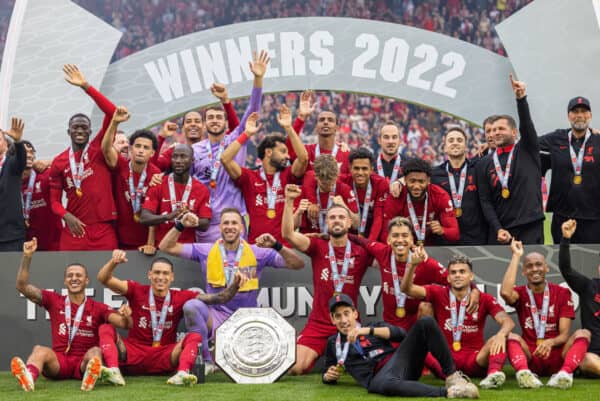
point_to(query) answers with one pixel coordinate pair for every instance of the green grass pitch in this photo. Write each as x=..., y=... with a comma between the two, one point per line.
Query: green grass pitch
x=219, y=387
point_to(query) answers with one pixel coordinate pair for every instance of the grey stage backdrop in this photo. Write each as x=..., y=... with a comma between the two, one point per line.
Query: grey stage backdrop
x=289, y=292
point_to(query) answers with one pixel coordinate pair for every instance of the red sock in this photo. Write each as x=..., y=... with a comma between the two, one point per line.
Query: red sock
x=35, y=372
x=189, y=351
x=496, y=362
x=434, y=366
x=516, y=355
x=108, y=345
x=575, y=354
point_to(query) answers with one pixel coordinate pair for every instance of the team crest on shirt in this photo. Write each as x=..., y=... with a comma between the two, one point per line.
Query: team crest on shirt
x=325, y=274
x=89, y=320
x=38, y=187
x=259, y=200
x=143, y=323
x=62, y=329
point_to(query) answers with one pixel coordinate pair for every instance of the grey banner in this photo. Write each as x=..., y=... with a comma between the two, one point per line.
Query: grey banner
x=288, y=292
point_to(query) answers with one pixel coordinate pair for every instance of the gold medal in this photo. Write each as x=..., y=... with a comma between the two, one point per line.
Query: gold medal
x=458, y=211
x=420, y=242
x=271, y=213
x=339, y=368
x=577, y=180
x=456, y=346
x=213, y=184
x=400, y=312
x=136, y=217
x=156, y=344
x=505, y=193
x=79, y=192
x=539, y=341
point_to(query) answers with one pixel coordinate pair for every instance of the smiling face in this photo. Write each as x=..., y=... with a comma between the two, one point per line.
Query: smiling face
x=400, y=238
x=580, y=118
x=344, y=318
x=361, y=170
x=76, y=279
x=79, y=130
x=389, y=140
x=160, y=276
x=503, y=133
x=215, y=122
x=338, y=221
x=416, y=184
x=30, y=156
x=231, y=227
x=192, y=126
x=326, y=124
x=489, y=137
x=121, y=144
x=460, y=276
x=535, y=268
x=455, y=144
x=278, y=156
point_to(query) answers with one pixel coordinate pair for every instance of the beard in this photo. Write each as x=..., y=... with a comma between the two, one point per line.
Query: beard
x=580, y=126
x=338, y=234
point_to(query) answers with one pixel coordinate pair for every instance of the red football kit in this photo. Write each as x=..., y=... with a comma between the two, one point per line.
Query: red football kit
x=43, y=223
x=377, y=198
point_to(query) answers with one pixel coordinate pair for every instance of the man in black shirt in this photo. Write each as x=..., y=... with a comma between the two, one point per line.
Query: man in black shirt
x=368, y=355
x=509, y=179
x=574, y=157
x=389, y=160
x=458, y=178
x=589, y=298
x=12, y=223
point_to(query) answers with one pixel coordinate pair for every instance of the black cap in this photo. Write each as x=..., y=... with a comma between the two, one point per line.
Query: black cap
x=579, y=101
x=340, y=299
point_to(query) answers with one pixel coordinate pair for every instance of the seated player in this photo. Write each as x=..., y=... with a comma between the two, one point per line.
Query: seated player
x=369, y=356
x=464, y=331
x=545, y=312
x=74, y=321
x=156, y=309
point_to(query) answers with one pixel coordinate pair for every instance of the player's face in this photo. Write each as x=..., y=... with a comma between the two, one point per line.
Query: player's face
x=30, y=156
x=161, y=276
x=503, y=134
x=279, y=156
x=455, y=144
x=192, y=126
x=122, y=145
x=76, y=279
x=389, y=140
x=416, y=184
x=142, y=150
x=400, y=238
x=325, y=185
x=338, y=222
x=361, y=170
x=326, y=124
x=489, y=137
x=181, y=160
x=231, y=227
x=80, y=130
x=215, y=122
x=535, y=268
x=580, y=118
x=344, y=318
x=459, y=276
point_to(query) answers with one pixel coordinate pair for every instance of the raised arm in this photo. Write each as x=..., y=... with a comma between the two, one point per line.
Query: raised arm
x=296, y=239
x=169, y=242
x=577, y=281
x=507, y=290
x=291, y=259
x=284, y=118
x=529, y=136
x=30, y=291
x=407, y=285
x=111, y=156
x=105, y=275
x=227, y=157
x=305, y=109
x=258, y=67
x=18, y=163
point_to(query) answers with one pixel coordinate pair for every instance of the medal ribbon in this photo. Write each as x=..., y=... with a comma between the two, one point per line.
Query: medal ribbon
x=158, y=326
x=338, y=281
x=419, y=230
x=457, y=196
x=333, y=152
x=271, y=191
x=539, y=317
x=72, y=329
x=173, y=196
x=230, y=268
x=322, y=212
x=78, y=168
x=400, y=296
x=216, y=161
x=137, y=194
x=396, y=170
x=365, y=209
x=503, y=175
x=341, y=352
x=28, y=195
x=458, y=321
x=577, y=159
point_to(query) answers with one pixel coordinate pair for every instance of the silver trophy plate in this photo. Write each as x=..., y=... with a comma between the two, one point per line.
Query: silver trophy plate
x=255, y=345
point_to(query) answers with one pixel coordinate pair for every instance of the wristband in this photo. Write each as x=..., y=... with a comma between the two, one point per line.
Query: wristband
x=278, y=246
x=372, y=331
x=179, y=225
x=242, y=138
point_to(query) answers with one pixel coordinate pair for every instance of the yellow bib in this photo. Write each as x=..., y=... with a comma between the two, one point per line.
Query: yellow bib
x=215, y=271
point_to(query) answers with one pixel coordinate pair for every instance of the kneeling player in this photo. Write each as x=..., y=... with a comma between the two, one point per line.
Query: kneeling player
x=74, y=319
x=151, y=346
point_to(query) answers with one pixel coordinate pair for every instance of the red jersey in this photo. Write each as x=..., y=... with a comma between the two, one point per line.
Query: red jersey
x=379, y=190
x=96, y=205
x=43, y=223
x=130, y=233
x=439, y=207
x=94, y=314
x=254, y=190
x=158, y=201
x=323, y=288
x=309, y=191
x=560, y=305
x=429, y=272
x=141, y=331
x=472, y=333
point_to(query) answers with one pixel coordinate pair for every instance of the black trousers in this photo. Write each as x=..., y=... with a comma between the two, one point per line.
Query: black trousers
x=530, y=233
x=12, y=246
x=400, y=375
x=588, y=231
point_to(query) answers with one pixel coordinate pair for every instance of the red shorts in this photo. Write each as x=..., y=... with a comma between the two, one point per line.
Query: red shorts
x=97, y=237
x=315, y=335
x=146, y=359
x=69, y=366
x=548, y=366
x=466, y=361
